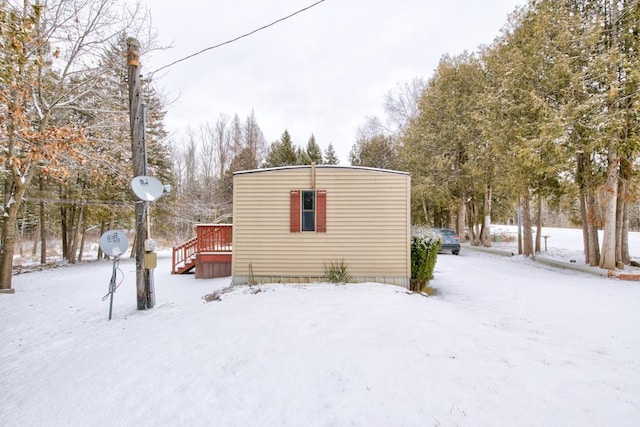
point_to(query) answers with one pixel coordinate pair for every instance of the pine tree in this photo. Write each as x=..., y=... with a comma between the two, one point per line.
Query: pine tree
x=313, y=151
x=330, y=157
x=288, y=151
x=302, y=158
x=533, y=74
x=281, y=153
x=375, y=152
x=443, y=147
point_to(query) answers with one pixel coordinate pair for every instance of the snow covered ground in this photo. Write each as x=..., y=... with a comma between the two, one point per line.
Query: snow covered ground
x=505, y=342
x=561, y=243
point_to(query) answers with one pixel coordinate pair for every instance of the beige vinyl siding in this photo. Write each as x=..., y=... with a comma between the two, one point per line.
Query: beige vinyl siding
x=368, y=224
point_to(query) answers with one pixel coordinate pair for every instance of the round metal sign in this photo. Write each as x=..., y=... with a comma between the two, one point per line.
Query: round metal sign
x=114, y=243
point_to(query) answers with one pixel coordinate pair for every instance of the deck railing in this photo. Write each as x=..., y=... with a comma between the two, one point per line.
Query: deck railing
x=182, y=254
x=209, y=238
x=214, y=237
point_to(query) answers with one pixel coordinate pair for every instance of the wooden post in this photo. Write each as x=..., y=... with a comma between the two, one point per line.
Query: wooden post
x=144, y=285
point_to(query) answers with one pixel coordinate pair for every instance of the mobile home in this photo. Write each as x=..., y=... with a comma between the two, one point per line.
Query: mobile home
x=292, y=223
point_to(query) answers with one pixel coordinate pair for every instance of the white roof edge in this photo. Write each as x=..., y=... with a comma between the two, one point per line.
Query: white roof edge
x=322, y=167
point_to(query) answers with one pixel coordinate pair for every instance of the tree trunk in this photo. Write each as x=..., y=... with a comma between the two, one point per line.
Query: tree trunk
x=472, y=218
x=527, y=237
x=34, y=248
x=486, y=223
x=581, y=181
x=519, y=226
x=538, y=223
x=63, y=231
x=102, y=230
x=585, y=229
x=83, y=233
x=610, y=229
x=592, y=230
x=608, y=256
x=622, y=212
x=461, y=218
x=43, y=230
x=9, y=234
x=619, y=219
x=624, y=241
x=73, y=257
x=15, y=188
x=588, y=209
x=425, y=211
x=20, y=236
x=9, y=231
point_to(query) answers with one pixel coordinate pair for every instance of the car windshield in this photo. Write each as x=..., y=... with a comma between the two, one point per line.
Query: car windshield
x=447, y=233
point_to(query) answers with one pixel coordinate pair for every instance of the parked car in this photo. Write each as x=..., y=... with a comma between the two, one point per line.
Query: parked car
x=450, y=240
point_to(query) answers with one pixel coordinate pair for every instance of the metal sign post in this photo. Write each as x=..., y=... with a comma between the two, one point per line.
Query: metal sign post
x=112, y=285
x=113, y=243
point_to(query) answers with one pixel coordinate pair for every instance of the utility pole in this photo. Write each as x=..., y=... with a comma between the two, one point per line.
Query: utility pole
x=144, y=280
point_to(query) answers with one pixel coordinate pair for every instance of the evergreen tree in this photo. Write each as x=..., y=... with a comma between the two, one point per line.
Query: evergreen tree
x=532, y=75
x=445, y=136
x=313, y=151
x=330, y=157
x=281, y=153
x=302, y=158
x=377, y=151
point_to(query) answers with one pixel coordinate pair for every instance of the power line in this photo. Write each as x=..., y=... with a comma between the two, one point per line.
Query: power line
x=239, y=37
x=77, y=202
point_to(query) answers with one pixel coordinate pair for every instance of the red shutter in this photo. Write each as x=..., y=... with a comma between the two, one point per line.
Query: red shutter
x=321, y=211
x=294, y=212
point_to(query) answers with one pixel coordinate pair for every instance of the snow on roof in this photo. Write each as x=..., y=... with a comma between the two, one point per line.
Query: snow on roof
x=322, y=167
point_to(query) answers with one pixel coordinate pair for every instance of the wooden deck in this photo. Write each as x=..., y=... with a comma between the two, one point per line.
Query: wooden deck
x=209, y=252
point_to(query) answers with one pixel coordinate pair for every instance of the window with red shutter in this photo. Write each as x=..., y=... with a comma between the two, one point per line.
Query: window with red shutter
x=294, y=211
x=321, y=211
x=308, y=211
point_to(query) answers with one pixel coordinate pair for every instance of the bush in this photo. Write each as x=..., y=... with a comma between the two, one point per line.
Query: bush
x=425, y=245
x=337, y=272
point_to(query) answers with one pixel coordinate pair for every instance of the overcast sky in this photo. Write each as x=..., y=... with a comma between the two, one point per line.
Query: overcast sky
x=321, y=72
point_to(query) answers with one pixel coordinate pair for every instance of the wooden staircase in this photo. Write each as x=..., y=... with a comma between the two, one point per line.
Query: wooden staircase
x=210, y=238
x=184, y=257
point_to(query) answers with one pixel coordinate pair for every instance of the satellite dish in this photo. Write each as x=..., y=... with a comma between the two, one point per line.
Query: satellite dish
x=114, y=243
x=147, y=188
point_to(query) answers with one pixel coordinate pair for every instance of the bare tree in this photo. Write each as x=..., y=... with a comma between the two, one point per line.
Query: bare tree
x=222, y=140
x=236, y=136
x=402, y=104
x=255, y=143
x=206, y=159
x=51, y=61
x=191, y=165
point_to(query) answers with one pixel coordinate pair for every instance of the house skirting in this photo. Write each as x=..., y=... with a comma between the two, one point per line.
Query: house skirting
x=243, y=280
x=213, y=265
